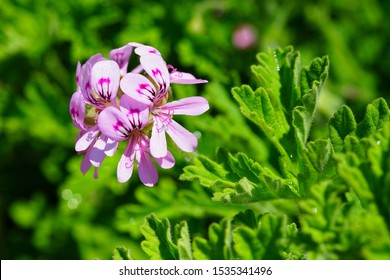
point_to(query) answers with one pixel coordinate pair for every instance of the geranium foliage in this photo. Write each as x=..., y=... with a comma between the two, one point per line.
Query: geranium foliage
x=324, y=198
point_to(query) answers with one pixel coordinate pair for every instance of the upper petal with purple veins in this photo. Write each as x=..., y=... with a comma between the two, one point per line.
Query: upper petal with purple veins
x=122, y=56
x=77, y=109
x=105, y=80
x=157, y=69
x=145, y=50
x=114, y=124
x=138, y=87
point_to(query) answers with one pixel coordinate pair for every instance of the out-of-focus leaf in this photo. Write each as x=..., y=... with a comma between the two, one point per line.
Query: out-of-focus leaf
x=159, y=242
x=121, y=253
x=218, y=246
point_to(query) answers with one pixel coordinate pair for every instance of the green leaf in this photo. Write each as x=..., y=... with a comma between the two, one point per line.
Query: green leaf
x=312, y=79
x=289, y=63
x=317, y=163
x=184, y=241
x=261, y=242
x=376, y=114
x=340, y=125
x=219, y=243
x=239, y=179
x=159, y=244
x=121, y=253
x=168, y=199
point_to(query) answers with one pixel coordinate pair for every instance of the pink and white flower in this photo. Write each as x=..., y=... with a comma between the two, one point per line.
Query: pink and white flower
x=97, y=86
x=111, y=105
x=127, y=123
x=152, y=91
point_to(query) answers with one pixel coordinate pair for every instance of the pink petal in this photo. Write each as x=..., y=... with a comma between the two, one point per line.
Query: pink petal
x=111, y=146
x=147, y=172
x=184, y=139
x=78, y=72
x=97, y=154
x=86, y=139
x=105, y=80
x=178, y=77
x=77, y=109
x=114, y=124
x=139, y=88
x=158, y=142
x=122, y=56
x=85, y=164
x=126, y=163
x=137, y=113
x=157, y=69
x=166, y=162
x=145, y=50
x=135, y=44
x=191, y=106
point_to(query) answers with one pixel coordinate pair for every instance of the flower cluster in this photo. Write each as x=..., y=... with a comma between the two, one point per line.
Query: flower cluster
x=112, y=105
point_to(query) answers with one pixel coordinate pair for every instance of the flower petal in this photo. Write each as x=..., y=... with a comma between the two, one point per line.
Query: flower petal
x=126, y=163
x=114, y=124
x=85, y=164
x=78, y=72
x=184, y=139
x=86, y=139
x=138, y=87
x=97, y=153
x=191, y=106
x=145, y=50
x=177, y=77
x=166, y=162
x=77, y=110
x=158, y=142
x=147, y=172
x=105, y=80
x=111, y=146
x=122, y=56
x=157, y=69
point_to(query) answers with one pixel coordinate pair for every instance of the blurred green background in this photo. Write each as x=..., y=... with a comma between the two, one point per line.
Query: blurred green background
x=48, y=209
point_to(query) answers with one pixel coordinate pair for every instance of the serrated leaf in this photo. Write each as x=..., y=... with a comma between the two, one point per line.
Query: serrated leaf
x=317, y=163
x=121, y=253
x=340, y=125
x=263, y=105
x=262, y=241
x=206, y=171
x=184, y=241
x=312, y=79
x=289, y=64
x=247, y=246
x=376, y=114
x=258, y=107
x=159, y=243
x=239, y=179
x=218, y=246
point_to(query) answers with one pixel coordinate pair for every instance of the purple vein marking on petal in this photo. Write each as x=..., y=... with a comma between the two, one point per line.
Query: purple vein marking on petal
x=162, y=86
x=105, y=89
x=119, y=57
x=121, y=129
x=74, y=113
x=134, y=119
x=150, y=93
